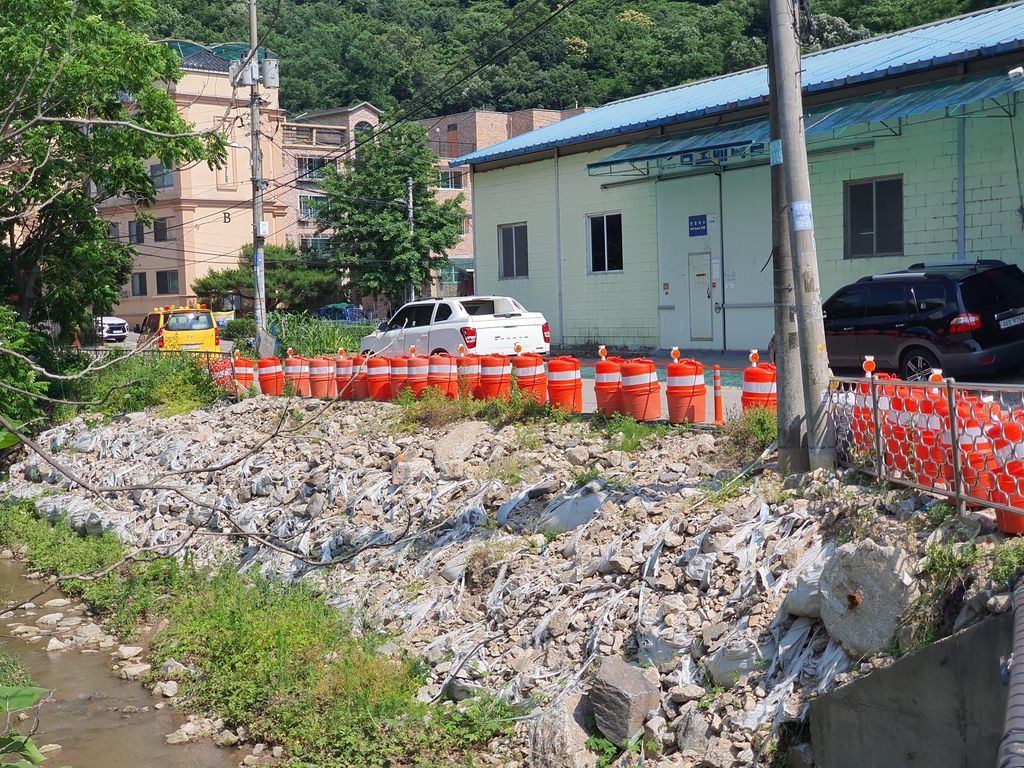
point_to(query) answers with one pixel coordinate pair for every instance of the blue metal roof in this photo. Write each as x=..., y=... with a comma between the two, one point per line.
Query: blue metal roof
x=976, y=35
x=833, y=118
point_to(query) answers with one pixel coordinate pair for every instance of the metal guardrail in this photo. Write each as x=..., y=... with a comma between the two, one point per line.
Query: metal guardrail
x=964, y=441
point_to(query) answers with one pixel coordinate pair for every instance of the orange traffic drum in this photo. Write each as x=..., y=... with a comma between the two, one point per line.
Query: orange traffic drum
x=344, y=372
x=443, y=373
x=296, y=371
x=469, y=375
x=608, y=386
x=322, y=378
x=759, y=388
x=495, y=377
x=641, y=391
x=530, y=377
x=565, y=385
x=271, y=376
x=419, y=371
x=378, y=378
x=686, y=392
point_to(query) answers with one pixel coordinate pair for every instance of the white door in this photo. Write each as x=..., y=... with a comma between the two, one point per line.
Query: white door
x=701, y=301
x=689, y=263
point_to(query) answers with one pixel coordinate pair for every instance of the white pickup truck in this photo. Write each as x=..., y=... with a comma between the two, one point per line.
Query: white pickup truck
x=480, y=324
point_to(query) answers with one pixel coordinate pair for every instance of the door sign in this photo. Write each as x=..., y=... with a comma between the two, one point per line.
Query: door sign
x=699, y=225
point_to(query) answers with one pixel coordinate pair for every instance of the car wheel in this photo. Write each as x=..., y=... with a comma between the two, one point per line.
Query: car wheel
x=917, y=365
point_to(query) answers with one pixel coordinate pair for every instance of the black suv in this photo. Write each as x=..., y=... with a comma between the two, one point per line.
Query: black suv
x=962, y=317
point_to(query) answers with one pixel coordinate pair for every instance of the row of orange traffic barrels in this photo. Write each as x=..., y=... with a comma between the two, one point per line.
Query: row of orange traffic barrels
x=628, y=387
x=916, y=439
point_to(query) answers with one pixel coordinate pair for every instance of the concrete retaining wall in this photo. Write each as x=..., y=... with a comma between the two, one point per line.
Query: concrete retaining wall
x=942, y=707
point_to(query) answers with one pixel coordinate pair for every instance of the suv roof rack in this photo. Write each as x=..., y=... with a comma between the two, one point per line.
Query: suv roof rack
x=979, y=263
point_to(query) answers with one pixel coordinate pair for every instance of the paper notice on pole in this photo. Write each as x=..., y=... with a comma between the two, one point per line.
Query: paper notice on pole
x=803, y=219
x=775, y=149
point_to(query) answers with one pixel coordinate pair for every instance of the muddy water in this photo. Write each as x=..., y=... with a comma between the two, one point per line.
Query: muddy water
x=86, y=714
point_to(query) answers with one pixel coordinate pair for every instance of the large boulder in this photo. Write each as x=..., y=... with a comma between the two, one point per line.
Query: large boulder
x=621, y=698
x=864, y=590
x=559, y=736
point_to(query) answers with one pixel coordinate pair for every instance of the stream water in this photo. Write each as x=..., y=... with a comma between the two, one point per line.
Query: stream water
x=85, y=715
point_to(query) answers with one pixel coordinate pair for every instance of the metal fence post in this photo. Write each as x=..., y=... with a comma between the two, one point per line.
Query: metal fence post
x=879, y=464
x=954, y=437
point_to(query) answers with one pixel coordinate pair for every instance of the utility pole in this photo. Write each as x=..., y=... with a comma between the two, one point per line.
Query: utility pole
x=792, y=435
x=259, y=228
x=408, y=216
x=821, y=443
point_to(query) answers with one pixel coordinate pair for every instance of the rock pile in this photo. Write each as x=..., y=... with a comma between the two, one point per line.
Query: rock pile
x=519, y=562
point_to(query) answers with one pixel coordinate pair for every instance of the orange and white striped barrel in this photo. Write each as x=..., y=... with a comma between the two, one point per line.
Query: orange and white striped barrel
x=378, y=379
x=245, y=374
x=399, y=375
x=759, y=385
x=296, y=371
x=686, y=391
x=271, y=376
x=641, y=391
x=608, y=386
x=495, y=377
x=419, y=372
x=344, y=372
x=531, y=378
x=565, y=385
x=322, y=377
x=360, y=388
x=469, y=375
x=443, y=373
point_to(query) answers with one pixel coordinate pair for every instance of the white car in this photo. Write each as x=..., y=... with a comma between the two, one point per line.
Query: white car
x=479, y=324
x=112, y=329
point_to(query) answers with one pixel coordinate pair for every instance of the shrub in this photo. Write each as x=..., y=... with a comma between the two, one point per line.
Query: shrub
x=17, y=407
x=309, y=336
x=239, y=330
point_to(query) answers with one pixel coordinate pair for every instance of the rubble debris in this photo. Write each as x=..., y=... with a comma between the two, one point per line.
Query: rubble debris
x=471, y=548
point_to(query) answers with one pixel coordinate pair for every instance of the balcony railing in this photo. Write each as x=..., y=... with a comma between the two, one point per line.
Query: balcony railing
x=449, y=149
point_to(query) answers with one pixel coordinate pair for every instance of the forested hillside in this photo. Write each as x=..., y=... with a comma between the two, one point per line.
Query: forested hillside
x=339, y=52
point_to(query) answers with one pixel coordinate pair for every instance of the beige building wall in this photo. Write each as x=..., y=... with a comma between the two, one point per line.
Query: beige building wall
x=207, y=212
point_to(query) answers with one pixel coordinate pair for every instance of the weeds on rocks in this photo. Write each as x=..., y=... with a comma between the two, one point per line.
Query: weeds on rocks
x=634, y=434
x=1009, y=562
x=748, y=436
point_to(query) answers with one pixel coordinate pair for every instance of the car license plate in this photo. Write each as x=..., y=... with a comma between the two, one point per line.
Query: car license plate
x=1011, y=321
x=190, y=346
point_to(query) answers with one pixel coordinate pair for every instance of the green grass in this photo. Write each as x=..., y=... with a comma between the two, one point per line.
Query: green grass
x=948, y=563
x=585, y=477
x=634, y=434
x=748, y=436
x=12, y=672
x=310, y=337
x=275, y=658
x=1009, y=561
x=174, y=382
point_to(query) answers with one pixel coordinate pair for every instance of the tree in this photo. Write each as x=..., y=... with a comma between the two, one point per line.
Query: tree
x=81, y=114
x=366, y=212
x=294, y=280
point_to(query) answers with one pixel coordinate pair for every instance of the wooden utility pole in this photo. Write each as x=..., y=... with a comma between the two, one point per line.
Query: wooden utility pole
x=821, y=443
x=792, y=433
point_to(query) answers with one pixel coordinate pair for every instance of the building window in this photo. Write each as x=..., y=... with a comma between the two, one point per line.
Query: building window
x=163, y=178
x=160, y=230
x=167, y=282
x=318, y=245
x=139, y=284
x=513, y=253
x=136, y=232
x=874, y=217
x=605, y=242
x=450, y=180
x=465, y=226
x=312, y=168
x=308, y=205
x=363, y=134
x=115, y=231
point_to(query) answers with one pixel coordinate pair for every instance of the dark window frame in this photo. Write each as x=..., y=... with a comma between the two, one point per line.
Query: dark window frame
x=139, y=287
x=451, y=180
x=849, y=189
x=605, y=254
x=517, y=260
x=136, y=233
x=164, y=276
x=163, y=178
x=160, y=227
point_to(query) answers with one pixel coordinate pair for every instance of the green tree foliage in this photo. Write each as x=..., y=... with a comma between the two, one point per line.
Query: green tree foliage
x=81, y=116
x=294, y=280
x=17, y=406
x=338, y=52
x=367, y=216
